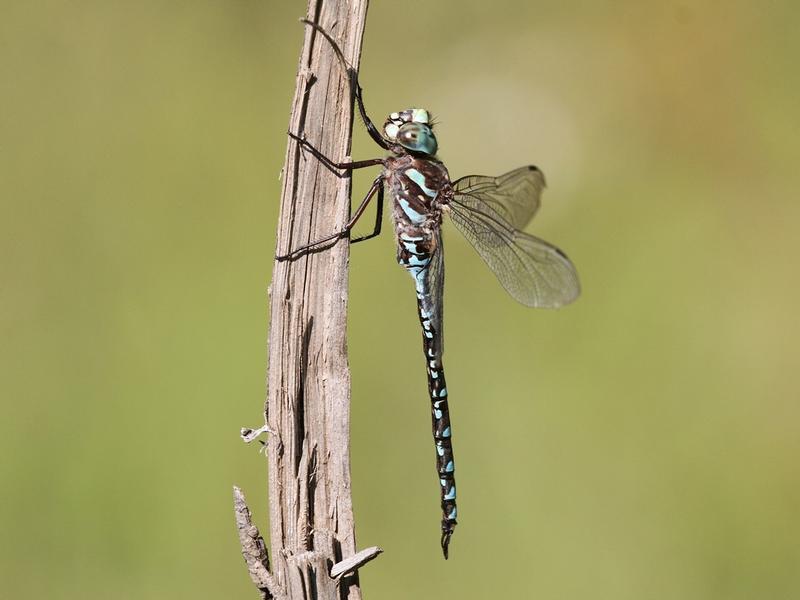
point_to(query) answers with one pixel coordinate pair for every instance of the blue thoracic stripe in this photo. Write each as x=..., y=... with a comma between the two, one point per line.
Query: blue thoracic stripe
x=418, y=178
x=414, y=216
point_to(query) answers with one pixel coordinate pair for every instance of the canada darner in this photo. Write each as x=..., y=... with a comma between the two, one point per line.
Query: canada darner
x=489, y=211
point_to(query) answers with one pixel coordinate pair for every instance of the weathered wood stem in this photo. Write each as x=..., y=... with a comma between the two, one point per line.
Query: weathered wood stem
x=312, y=530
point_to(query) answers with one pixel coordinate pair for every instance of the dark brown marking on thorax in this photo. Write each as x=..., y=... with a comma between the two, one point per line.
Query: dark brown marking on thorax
x=419, y=187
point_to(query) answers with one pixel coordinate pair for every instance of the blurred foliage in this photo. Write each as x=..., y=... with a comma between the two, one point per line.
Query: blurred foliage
x=642, y=443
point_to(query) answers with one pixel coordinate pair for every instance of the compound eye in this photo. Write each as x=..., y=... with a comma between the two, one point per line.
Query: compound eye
x=418, y=138
x=410, y=137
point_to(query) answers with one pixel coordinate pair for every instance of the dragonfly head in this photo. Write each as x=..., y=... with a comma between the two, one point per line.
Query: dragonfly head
x=413, y=130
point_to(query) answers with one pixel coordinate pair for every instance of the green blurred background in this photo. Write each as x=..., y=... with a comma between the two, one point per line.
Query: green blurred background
x=642, y=443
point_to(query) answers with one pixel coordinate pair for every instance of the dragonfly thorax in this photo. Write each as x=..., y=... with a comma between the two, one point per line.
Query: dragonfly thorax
x=412, y=130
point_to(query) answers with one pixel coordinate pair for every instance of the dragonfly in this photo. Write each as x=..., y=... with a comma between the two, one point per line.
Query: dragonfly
x=490, y=212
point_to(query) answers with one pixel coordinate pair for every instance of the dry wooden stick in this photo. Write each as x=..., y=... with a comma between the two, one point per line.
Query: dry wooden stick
x=308, y=401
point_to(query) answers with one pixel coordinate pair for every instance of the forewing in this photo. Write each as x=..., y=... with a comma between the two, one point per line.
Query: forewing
x=515, y=196
x=534, y=272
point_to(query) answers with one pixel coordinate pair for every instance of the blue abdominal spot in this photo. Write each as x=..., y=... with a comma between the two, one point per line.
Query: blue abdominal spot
x=410, y=246
x=416, y=261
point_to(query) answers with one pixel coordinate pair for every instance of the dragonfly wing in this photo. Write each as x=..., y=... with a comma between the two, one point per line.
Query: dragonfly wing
x=433, y=300
x=533, y=271
x=515, y=196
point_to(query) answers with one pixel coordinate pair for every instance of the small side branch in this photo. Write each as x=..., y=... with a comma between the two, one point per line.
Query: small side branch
x=254, y=550
x=248, y=435
x=351, y=564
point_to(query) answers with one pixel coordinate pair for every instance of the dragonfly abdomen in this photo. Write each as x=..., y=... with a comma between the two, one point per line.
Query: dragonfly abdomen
x=442, y=430
x=428, y=281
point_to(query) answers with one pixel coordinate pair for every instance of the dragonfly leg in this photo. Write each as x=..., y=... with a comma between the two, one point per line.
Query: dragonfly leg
x=377, y=187
x=334, y=166
x=356, y=90
x=378, y=218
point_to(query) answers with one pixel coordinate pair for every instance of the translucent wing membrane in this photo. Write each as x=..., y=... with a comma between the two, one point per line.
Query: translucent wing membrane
x=433, y=300
x=488, y=213
x=515, y=196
